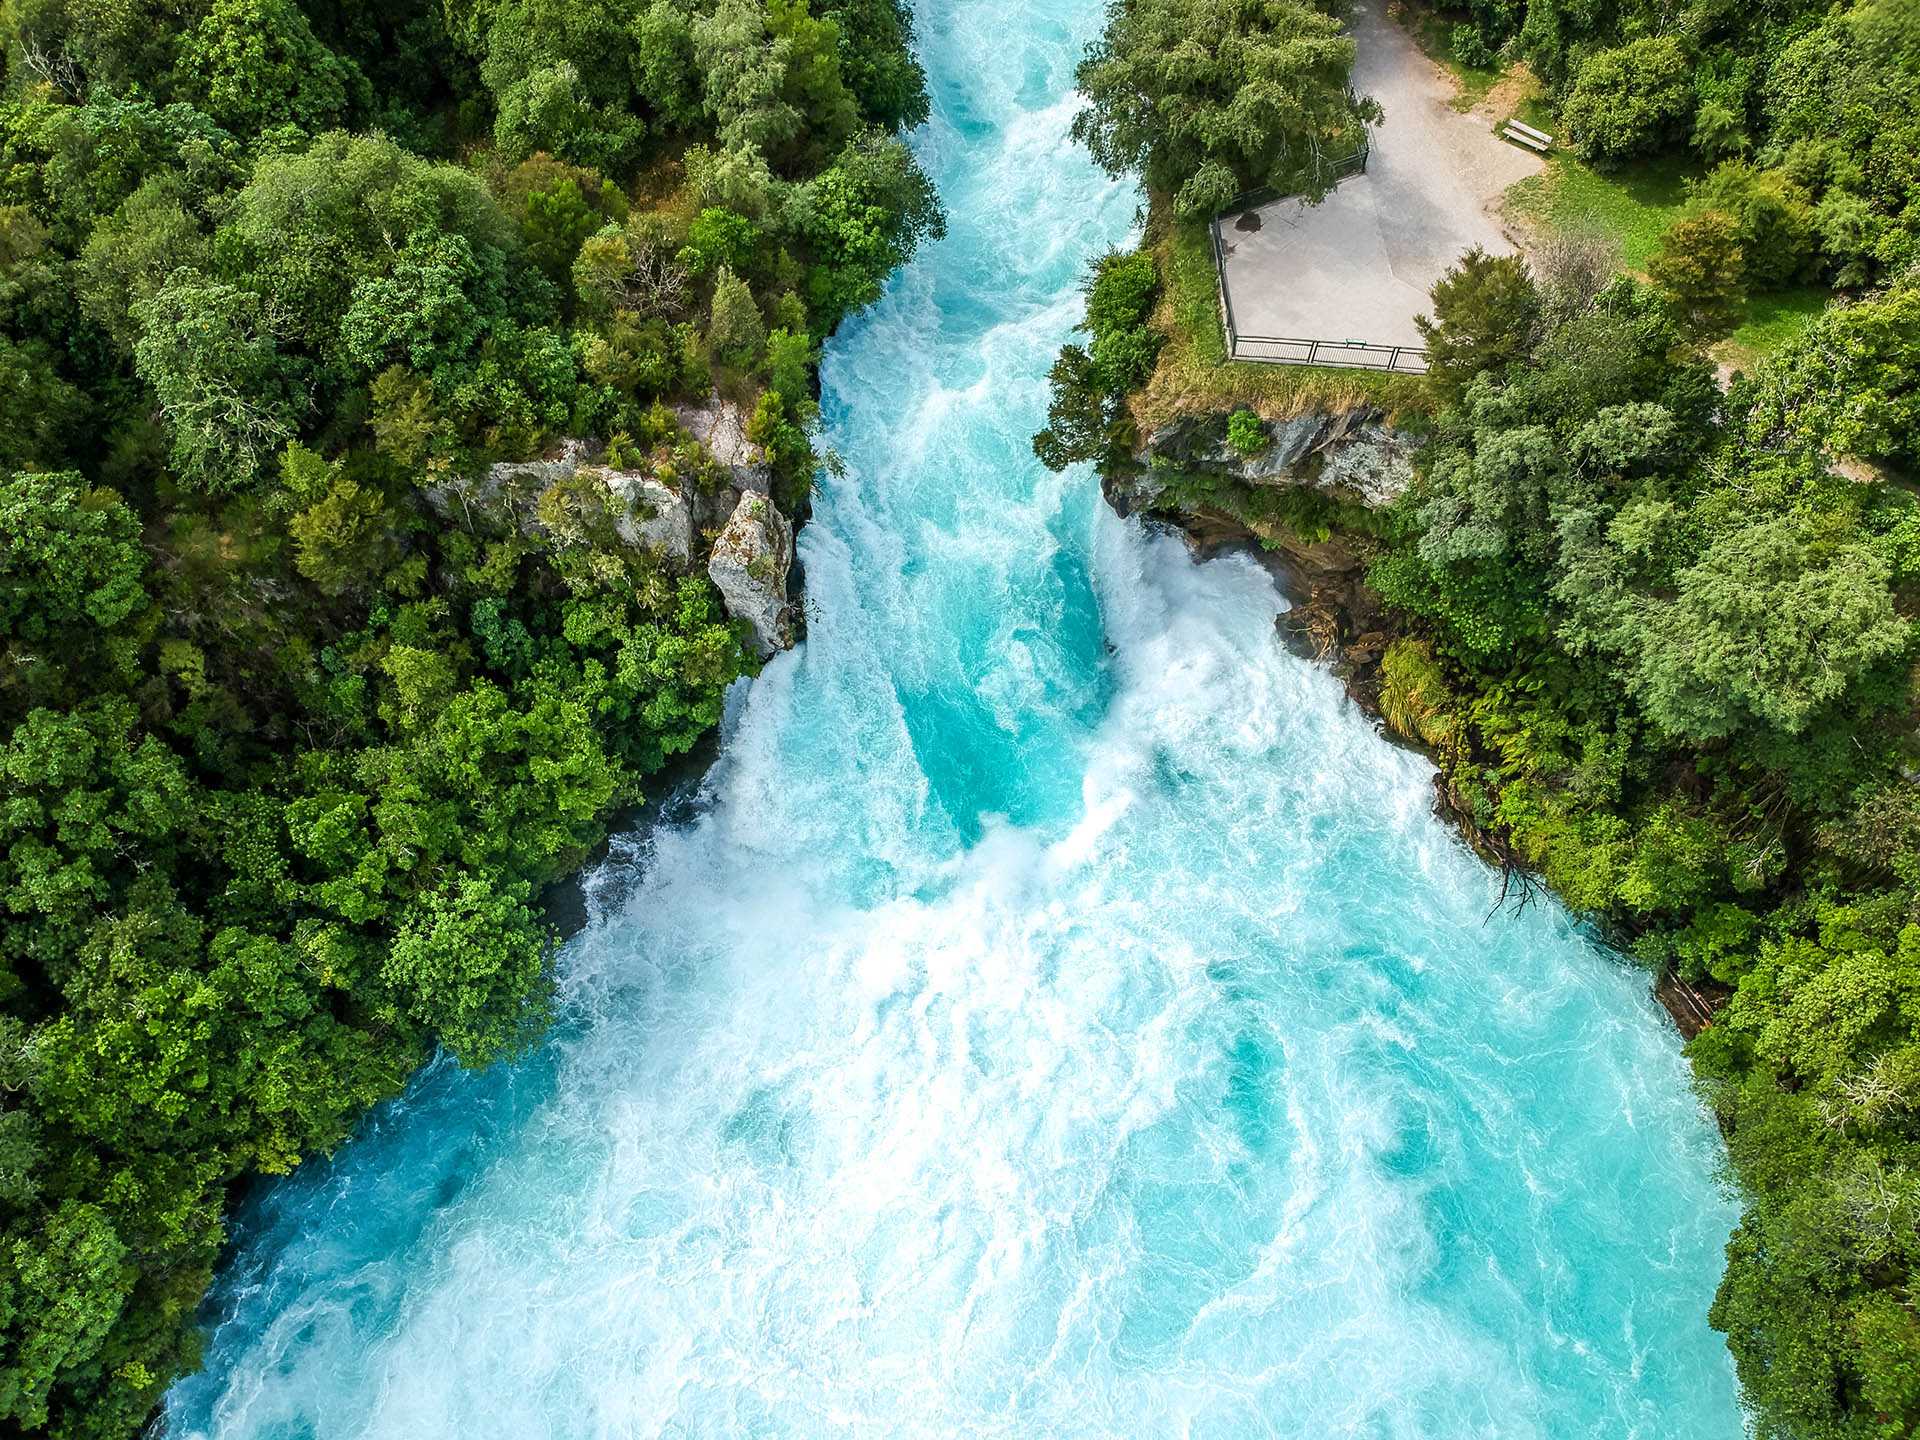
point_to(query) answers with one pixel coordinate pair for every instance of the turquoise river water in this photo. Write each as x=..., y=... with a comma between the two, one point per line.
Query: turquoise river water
x=1060, y=1015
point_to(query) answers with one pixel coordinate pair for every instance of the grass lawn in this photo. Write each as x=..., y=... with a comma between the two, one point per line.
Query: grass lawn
x=1194, y=375
x=1769, y=322
x=1632, y=207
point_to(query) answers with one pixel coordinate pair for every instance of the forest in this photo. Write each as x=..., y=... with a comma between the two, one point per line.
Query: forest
x=1654, y=622
x=290, y=752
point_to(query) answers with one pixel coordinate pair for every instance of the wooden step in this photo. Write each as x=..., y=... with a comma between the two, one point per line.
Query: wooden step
x=1521, y=139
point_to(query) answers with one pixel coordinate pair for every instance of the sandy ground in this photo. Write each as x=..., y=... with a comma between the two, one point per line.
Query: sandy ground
x=1358, y=265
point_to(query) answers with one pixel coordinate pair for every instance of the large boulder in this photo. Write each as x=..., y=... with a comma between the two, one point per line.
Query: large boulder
x=719, y=425
x=648, y=513
x=751, y=560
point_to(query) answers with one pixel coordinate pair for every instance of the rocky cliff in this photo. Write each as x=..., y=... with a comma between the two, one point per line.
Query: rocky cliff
x=703, y=499
x=1304, y=490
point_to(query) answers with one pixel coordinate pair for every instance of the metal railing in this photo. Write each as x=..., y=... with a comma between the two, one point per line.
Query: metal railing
x=1348, y=354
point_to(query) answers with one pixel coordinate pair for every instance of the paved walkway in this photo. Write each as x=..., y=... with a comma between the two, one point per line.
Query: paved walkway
x=1358, y=265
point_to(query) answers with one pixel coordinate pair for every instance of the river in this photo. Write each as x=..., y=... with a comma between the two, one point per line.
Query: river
x=1061, y=1015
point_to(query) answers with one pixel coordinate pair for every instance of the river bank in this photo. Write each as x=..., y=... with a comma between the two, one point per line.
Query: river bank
x=1338, y=468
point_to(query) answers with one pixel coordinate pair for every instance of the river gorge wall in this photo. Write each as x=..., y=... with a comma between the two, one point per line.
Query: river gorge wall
x=1306, y=502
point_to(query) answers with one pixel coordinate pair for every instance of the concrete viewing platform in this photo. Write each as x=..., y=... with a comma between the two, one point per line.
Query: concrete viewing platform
x=1358, y=266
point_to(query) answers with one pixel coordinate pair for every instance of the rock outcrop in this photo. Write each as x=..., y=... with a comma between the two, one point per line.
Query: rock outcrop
x=719, y=426
x=1186, y=473
x=752, y=557
x=1348, y=454
x=650, y=513
x=667, y=509
x=531, y=496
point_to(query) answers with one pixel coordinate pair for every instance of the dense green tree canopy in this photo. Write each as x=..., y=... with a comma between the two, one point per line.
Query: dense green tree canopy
x=1207, y=99
x=292, y=738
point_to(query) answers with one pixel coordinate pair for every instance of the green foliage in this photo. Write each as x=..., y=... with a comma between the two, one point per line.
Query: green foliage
x=1773, y=222
x=222, y=386
x=1415, y=699
x=1768, y=626
x=1852, y=383
x=1630, y=101
x=736, y=331
x=253, y=65
x=1700, y=268
x=473, y=964
x=718, y=238
x=1470, y=48
x=861, y=218
x=299, y=712
x=1206, y=99
x=1247, y=433
x=1086, y=417
x=1484, y=313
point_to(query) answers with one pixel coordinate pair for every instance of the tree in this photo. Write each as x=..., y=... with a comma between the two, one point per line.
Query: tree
x=736, y=331
x=1699, y=268
x=226, y=393
x=1767, y=629
x=1851, y=384
x=345, y=534
x=1630, y=101
x=39, y=411
x=67, y=1286
x=310, y=227
x=876, y=60
x=255, y=64
x=1205, y=99
x=131, y=254
x=1773, y=222
x=1485, y=312
x=71, y=580
x=863, y=217
x=470, y=962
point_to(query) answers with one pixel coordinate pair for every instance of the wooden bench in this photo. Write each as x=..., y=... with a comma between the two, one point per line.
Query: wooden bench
x=1522, y=134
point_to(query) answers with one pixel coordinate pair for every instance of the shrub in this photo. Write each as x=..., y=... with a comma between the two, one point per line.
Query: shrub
x=1415, y=699
x=1630, y=101
x=1247, y=432
x=735, y=332
x=1773, y=221
x=1485, y=311
x=718, y=237
x=1470, y=49
x=1699, y=270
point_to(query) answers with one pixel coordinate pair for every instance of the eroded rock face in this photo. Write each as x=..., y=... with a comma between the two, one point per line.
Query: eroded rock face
x=649, y=513
x=646, y=511
x=751, y=560
x=1353, y=454
x=752, y=555
x=719, y=425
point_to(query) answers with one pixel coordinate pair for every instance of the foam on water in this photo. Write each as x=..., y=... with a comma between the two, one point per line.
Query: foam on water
x=1064, y=1017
